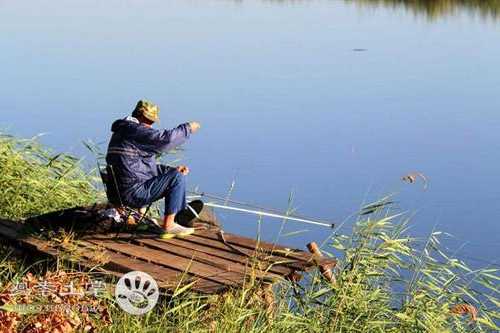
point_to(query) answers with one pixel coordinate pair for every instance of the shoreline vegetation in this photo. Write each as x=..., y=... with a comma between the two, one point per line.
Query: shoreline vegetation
x=385, y=280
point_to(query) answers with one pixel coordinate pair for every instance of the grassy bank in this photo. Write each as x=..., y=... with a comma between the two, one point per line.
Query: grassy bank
x=386, y=281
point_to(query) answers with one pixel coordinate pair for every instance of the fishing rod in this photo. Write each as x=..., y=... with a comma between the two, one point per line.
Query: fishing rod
x=257, y=210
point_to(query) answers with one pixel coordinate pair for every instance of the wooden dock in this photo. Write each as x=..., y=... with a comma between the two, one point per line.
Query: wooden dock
x=211, y=261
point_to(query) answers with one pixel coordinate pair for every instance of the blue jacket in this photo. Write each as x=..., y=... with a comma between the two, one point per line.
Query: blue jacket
x=133, y=148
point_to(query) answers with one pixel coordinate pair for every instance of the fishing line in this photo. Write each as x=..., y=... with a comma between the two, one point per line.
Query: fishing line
x=227, y=200
x=253, y=209
x=262, y=213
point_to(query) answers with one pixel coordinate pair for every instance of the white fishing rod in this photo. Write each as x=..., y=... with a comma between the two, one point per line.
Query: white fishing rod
x=261, y=211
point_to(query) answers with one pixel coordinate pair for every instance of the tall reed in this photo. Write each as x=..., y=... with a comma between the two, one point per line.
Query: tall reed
x=34, y=180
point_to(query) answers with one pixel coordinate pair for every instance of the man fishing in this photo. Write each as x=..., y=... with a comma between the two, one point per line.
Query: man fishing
x=140, y=180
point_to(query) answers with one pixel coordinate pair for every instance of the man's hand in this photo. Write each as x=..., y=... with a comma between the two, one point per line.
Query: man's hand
x=183, y=169
x=195, y=126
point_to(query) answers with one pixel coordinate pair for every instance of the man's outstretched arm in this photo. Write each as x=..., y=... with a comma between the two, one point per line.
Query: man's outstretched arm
x=161, y=141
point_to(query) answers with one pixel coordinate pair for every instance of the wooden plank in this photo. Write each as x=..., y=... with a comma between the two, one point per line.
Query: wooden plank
x=200, y=256
x=274, y=259
x=275, y=249
x=286, y=265
x=179, y=263
x=213, y=248
x=116, y=265
x=275, y=262
x=216, y=264
x=124, y=264
x=34, y=245
x=240, y=242
x=10, y=231
x=166, y=278
x=225, y=253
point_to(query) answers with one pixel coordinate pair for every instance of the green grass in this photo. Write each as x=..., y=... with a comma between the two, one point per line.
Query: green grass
x=386, y=281
x=35, y=181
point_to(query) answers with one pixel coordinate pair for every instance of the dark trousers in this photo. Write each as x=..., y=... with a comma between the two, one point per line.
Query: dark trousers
x=170, y=185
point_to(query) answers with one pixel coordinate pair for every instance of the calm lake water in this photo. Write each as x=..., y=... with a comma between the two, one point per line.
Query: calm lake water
x=285, y=101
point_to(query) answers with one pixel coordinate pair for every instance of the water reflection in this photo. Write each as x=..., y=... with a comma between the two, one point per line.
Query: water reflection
x=431, y=8
x=437, y=8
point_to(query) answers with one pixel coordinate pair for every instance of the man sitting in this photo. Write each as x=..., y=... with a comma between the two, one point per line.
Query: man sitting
x=132, y=150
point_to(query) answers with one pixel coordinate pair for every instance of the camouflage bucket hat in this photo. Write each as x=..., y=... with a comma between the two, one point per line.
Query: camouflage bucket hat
x=148, y=110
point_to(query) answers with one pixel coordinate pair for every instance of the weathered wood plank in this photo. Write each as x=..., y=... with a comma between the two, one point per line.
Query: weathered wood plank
x=227, y=254
x=165, y=277
x=116, y=266
x=279, y=264
x=175, y=262
x=213, y=263
x=274, y=261
x=200, y=256
x=215, y=249
x=276, y=250
x=38, y=246
x=11, y=231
